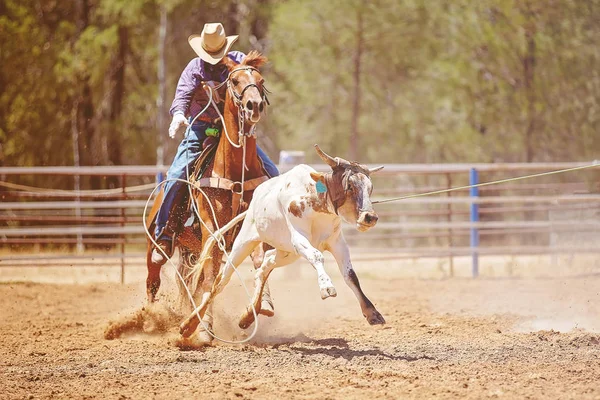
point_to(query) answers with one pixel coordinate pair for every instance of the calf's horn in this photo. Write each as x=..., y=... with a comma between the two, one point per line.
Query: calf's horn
x=372, y=170
x=332, y=162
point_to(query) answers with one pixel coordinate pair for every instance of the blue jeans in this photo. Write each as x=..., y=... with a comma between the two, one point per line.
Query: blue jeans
x=187, y=153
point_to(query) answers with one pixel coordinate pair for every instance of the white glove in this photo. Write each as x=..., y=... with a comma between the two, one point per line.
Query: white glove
x=179, y=123
x=215, y=92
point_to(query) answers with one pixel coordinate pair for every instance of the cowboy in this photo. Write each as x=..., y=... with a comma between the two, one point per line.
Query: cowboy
x=211, y=46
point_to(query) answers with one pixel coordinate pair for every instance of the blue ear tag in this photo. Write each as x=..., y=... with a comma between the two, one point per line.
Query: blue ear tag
x=321, y=188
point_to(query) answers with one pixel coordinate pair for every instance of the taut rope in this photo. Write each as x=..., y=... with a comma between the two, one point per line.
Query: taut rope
x=410, y=196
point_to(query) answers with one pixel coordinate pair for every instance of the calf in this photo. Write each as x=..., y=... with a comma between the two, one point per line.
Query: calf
x=300, y=214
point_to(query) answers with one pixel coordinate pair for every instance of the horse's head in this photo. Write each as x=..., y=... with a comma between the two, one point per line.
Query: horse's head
x=350, y=190
x=245, y=86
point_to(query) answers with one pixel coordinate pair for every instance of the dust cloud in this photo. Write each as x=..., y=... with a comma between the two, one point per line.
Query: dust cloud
x=559, y=304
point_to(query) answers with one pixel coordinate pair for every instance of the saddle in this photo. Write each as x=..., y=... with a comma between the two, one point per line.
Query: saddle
x=197, y=176
x=182, y=214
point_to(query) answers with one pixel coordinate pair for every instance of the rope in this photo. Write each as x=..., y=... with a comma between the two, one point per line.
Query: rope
x=410, y=196
x=220, y=240
x=237, y=146
x=33, y=189
x=221, y=246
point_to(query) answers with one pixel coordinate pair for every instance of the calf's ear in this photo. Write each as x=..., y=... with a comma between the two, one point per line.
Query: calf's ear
x=317, y=176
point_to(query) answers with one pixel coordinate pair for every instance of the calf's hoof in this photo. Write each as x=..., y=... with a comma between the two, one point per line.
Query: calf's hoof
x=247, y=319
x=266, y=308
x=328, y=292
x=195, y=342
x=375, y=318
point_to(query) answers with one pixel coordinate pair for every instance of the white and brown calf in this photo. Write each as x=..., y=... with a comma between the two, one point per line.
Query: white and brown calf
x=300, y=214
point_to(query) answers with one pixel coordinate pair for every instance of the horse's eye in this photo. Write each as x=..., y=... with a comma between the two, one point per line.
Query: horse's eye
x=235, y=81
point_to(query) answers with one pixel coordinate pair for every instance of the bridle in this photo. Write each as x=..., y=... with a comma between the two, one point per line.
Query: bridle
x=237, y=97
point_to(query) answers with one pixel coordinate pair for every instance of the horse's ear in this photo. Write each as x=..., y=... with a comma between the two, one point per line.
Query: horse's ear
x=228, y=62
x=255, y=59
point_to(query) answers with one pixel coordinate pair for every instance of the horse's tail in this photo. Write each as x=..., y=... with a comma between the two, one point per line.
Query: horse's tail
x=205, y=257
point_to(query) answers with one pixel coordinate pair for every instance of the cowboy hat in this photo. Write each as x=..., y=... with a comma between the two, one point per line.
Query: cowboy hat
x=212, y=44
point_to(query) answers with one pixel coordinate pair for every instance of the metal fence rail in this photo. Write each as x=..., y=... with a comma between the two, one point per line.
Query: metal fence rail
x=507, y=219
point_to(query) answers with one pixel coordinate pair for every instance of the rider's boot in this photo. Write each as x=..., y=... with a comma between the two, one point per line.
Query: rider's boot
x=163, y=251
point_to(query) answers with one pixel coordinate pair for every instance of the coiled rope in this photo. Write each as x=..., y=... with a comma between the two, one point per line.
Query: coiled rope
x=219, y=240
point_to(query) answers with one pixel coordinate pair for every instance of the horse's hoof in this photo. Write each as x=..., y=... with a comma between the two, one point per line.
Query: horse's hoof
x=328, y=292
x=266, y=308
x=188, y=327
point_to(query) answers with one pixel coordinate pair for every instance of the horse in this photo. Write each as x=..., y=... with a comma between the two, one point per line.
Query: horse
x=228, y=181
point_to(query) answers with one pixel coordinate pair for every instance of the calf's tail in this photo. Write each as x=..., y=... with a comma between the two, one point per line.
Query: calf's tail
x=209, y=244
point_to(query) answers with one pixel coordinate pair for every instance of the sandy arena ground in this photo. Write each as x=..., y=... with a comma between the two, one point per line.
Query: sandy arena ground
x=444, y=338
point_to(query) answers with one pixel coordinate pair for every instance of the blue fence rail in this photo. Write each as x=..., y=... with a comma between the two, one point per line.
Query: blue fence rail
x=474, y=193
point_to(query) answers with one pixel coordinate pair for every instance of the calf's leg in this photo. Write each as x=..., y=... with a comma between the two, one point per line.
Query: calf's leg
x=315, y=258
x=266, y=306
x=340, y=251
x=273, y=258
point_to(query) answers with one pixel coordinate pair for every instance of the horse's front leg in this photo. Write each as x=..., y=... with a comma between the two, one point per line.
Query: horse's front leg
x=241, y=250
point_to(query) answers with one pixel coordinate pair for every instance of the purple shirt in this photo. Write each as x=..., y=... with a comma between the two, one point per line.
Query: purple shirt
x=190, y=98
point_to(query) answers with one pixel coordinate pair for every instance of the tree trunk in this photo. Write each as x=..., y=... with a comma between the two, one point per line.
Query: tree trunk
x=528, y=78
x=83, y=104
x=115, y=155
x=113, y=132
x=259, y=26
x=232, y=22
x=162, y=88
x=354, y=138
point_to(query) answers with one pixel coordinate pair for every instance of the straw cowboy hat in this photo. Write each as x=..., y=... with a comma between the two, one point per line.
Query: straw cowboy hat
x=212, y=44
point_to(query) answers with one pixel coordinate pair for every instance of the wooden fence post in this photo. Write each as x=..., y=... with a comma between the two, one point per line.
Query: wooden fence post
x=449, y=219
x=123, y=237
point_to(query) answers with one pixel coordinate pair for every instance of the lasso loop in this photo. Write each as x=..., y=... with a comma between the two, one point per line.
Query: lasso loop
x=219, y=240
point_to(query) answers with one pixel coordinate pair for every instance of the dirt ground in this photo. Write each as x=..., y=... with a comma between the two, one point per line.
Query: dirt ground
x=459, y=338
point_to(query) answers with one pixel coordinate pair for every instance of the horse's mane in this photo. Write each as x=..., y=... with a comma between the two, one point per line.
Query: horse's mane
x=255, y=59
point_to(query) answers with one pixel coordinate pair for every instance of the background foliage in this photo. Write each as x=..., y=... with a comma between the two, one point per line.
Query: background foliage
x=379, y=80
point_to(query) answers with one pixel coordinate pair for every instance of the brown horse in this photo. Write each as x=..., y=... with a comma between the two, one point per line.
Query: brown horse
x=228, y=182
